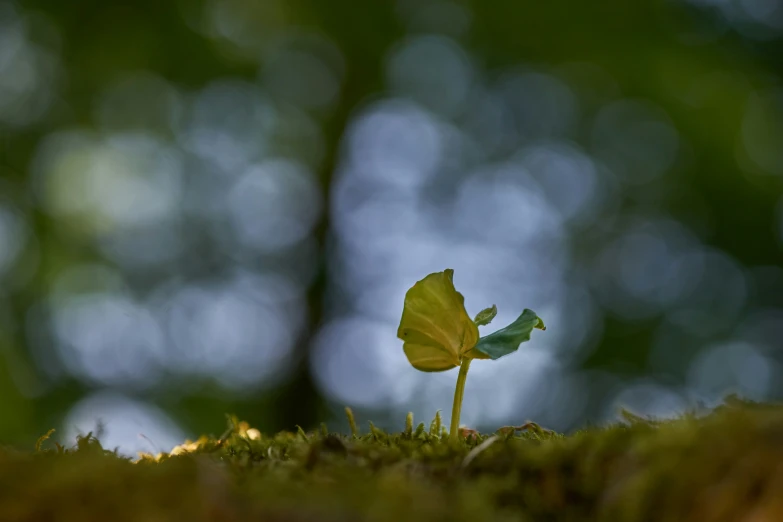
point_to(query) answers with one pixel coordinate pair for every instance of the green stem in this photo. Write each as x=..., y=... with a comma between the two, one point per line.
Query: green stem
x=458, y=393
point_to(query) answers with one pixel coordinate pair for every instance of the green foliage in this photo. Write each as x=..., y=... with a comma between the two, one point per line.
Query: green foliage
x=722, y=466
x=508, y=339
x=438, y=335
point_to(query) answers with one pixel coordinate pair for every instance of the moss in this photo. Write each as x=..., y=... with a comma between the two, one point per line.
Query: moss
x=727, y=465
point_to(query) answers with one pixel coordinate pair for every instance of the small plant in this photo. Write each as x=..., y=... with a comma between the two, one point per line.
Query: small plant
x=438, y=334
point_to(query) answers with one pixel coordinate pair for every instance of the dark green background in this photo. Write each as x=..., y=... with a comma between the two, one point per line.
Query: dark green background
x=643, y=45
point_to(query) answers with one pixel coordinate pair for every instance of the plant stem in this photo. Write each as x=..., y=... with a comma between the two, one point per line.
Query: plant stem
x=458, y=393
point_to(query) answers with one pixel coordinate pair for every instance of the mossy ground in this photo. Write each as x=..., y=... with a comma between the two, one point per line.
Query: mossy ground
x=727, y=465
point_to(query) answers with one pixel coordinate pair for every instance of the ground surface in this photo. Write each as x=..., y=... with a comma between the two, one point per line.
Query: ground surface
x=727, y=465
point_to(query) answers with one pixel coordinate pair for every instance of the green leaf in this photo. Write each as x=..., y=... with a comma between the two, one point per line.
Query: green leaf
x=435, y=328
x=508, y=339
x=485, y=316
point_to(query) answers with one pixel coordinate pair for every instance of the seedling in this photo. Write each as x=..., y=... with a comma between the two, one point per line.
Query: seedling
x=438, y=334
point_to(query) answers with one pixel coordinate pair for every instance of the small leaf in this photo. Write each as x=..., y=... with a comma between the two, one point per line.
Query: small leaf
x=508, y=339
x=485, y=316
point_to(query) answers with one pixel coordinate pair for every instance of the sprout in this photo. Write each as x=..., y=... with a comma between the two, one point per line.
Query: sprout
x=438, y=334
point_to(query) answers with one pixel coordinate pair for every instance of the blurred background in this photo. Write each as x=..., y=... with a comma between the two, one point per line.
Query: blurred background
x=217, y=206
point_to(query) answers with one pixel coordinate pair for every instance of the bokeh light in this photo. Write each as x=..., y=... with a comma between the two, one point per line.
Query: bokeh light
x=123, y=423
x=30, y=73
x=737, y=367
x=225, y=215
x=274, y=205
x=13, y=237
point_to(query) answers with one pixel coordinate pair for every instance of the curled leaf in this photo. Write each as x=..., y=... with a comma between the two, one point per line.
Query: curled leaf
x=508, y=339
